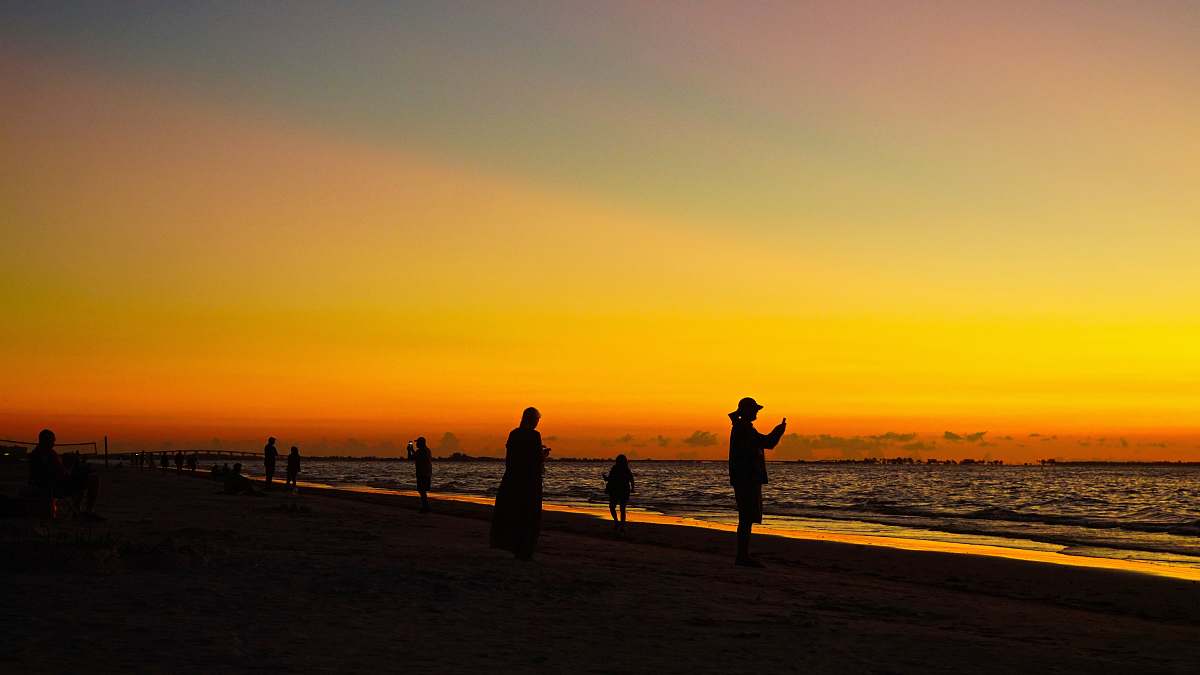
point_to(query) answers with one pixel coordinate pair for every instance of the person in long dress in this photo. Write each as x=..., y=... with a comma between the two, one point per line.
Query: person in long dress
x=517, y=517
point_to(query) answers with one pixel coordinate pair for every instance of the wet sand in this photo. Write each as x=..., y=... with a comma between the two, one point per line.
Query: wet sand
x=181, y=578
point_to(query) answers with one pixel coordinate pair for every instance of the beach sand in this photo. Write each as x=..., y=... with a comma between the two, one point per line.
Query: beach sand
x=183, y=579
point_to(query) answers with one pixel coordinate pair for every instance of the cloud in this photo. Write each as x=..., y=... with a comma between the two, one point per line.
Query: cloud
x=701, y=439
x=797, y=446
x=662, y=441
x=449, y=444
x=968, y=438
x=793, y=446
x=893, y=437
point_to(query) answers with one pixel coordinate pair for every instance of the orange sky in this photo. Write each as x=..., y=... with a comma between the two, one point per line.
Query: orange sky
x=333, y=237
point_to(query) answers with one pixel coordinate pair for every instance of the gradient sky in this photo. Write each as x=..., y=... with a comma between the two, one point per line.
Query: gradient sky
x=366, y=221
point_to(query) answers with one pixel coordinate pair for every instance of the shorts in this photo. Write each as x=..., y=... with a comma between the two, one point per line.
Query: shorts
x=749, y=502
x=423, y=483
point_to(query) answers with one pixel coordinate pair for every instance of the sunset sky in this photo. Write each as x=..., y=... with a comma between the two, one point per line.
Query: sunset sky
x=366, y=221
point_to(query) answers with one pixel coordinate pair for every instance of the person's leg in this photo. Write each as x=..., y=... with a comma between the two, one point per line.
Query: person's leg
x=623, y=512
x=612, y=508
x=424, y=501
x=743, y=540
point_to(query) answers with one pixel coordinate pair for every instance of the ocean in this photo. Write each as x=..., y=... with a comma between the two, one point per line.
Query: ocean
x=1133, y=512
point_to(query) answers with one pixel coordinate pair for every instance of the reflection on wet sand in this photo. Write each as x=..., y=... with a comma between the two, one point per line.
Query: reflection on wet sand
x=1055, y=557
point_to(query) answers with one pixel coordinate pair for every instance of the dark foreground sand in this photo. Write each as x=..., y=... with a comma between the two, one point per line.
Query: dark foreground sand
x=181, y=578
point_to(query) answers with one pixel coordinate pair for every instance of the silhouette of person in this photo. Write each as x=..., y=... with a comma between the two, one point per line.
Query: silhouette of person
x=51, y=479
x=293, y=466
x=236, y=483
x=270, y=454
x=517, y=516
x=748, y=471
x=193, y=461
x=163, y=462
x=424, y=465
x=178, y=461
x=618, y=485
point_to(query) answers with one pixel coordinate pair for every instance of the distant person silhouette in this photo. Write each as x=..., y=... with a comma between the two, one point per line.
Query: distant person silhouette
x=163, y=462
x=270, y=454
x=748, y=471
x=293, y=466
x=517, y=516
x=51, y=479
x=178, y=461
x=193, y=461
x=618, y=485
x=424, y=465
x=236, y=483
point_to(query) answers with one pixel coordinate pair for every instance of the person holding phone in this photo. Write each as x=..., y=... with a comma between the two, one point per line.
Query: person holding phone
x=748, y=471
x=423, y=459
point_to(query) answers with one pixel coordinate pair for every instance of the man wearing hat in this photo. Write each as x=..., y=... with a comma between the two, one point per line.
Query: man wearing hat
x=748, y=470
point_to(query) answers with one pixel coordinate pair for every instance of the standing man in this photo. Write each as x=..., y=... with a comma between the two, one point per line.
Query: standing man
x=748, y=471
x=424, y=461
x=270, y=454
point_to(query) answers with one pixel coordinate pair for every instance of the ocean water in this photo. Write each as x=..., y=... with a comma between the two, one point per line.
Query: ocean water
x=1132, y=512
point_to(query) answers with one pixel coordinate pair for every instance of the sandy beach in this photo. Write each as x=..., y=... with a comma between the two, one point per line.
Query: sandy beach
x=181, y=578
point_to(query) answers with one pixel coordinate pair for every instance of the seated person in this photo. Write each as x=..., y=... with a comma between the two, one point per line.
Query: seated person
x=51, y=479
x=236, y=483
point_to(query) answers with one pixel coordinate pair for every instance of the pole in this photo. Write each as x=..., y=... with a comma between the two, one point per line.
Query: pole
x=106, y=451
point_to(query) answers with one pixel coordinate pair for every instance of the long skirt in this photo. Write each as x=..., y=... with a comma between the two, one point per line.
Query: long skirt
x=517, y=518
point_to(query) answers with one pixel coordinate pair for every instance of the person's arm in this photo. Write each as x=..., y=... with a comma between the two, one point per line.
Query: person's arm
x=769, y=441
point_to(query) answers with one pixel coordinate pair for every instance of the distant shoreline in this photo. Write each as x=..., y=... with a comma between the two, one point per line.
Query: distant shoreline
x=15, y=453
